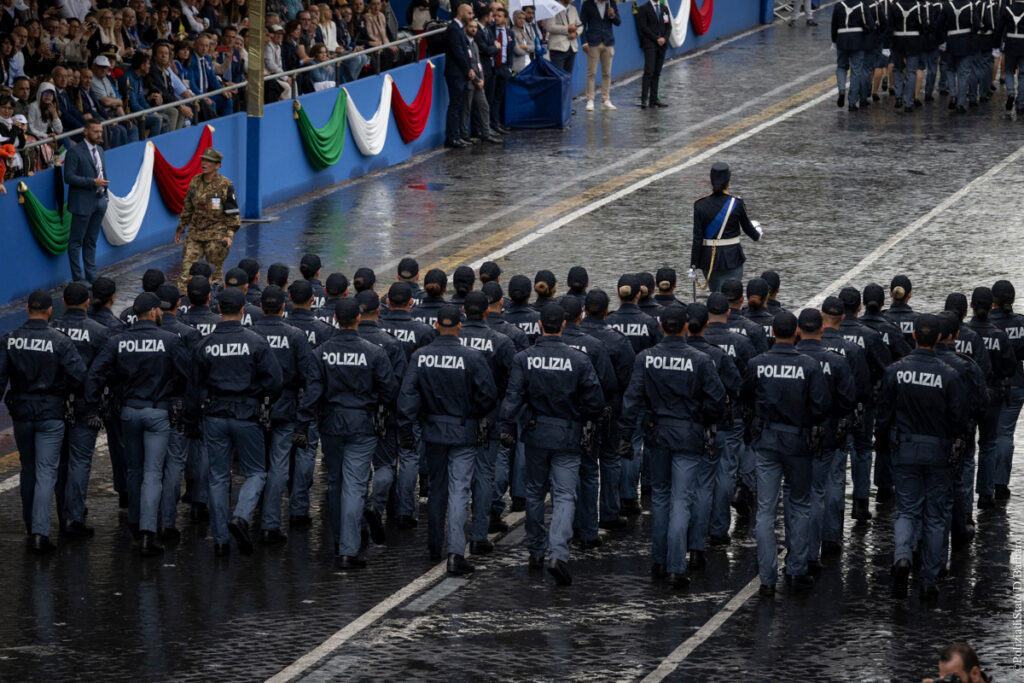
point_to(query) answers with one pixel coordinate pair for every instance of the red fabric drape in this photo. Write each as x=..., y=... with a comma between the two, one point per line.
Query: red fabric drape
x=172, y=181
x=412, y=118
x=700, y=17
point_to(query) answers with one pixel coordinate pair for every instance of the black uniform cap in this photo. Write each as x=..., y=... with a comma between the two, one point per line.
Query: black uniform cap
x=773, y=280
x=169, y=295
x=926, y=329
x=251, y=267
x=665, y=278
x=436, y=276
x=900, y=281
x=547, y=277
x=832, y=305
x=673, y=318
x=718, y=304
x=408, y=268
x=757, y=287
x=103, y=288
x=272, y=296
x=368, y=301
x=957, y=303
x=310, y=263
x=573, y=308
x=720, y=174
x=475, y=304
x=784, y=324
x=231, y=300
x=145, y=302
x=336, y=285
x=198, y=287
x=519, y=286
x=76, y=294
x=236, y=277
x=1003, y=290
x=810, y=320
x=552, y=315
x=152, y=279
x=489, y=271
x=732, y=289
x=492, y=290
x=646, y=282
x=346, y=311
x=874, y=294
x=696, y=314
x=463, y=275
x=201, y=268
x=629, y=286
x=981, y=297
x=596, y=302
x=449, y=315
x=578, y=277
x=850, y=296
x=39, y=300
x=949, y=324
x=277, y=274
x=364, y=279
x=399, y=293
x=300, y=291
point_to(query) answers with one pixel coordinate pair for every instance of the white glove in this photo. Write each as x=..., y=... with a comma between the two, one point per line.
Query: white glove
x=995, y=52
x=757, y=226
x=942, y=48
x=691, y=274
x=886, y=53
x=833, y=47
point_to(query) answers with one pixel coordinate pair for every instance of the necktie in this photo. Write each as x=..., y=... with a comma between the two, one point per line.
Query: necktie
x=100, y=191
x=501, y=50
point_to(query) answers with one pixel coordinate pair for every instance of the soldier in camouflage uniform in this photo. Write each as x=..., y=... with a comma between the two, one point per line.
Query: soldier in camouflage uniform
x=211, y=211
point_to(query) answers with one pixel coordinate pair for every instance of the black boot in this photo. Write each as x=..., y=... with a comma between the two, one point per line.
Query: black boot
x=842, y=100
x=497, y=525
x=697, y=560
x=148, y=547
x=483, y=547
x=458, y=565
x=860, y=509
x=239, y=528
x=406, y=522
x=77, y=529
x=272, y=536
x=560, y=570
x=347, y=562
x=901, y=579
x=40, y=545
x=377, y=533
x=678, y=580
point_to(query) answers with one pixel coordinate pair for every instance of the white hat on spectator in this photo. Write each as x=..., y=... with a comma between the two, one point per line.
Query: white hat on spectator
x=276, y=27
x=20, y=118
x=102, y=61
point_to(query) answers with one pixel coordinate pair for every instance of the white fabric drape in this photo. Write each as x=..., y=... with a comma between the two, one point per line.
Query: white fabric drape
x=680, y=23
x=370, y=135
x=124, y=215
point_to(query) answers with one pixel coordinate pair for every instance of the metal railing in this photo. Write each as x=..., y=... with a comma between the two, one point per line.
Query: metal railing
x=238, y=86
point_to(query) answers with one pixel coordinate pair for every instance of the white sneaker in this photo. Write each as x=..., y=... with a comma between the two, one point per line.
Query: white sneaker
x=590, y=105
x=608, y=106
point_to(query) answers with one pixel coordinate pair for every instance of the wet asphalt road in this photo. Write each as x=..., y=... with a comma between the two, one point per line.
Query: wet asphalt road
x=830, y=186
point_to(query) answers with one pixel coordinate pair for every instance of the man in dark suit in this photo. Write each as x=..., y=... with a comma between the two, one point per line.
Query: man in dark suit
x=85, y=171
x=457, y=74
x=502, y=72
x=655, y=23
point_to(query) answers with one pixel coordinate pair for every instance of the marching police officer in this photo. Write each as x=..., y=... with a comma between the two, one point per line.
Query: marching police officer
x=463, y=280
x=435, y=283
x=210, y=215
x=757, y=310
x=968, y=341
x=676, y=390
x=718, y=219
x=100, y=305
x=88, y=336
x=199, y=314
x=253, y=290
x=577, y=281
x=665, y=280
x=738, y=323
x=957, y=31
x=906, y=23
x=920, y=412
x=300, y=378
x=356, y=377
x=828, y=468
x=43, y=367
x=238, y=278
x=496, y=321
x=788, y=393
x=646, y=302
x=900, y=313
x=309, y=268
x=873, y=301
x=233, y=371
x=150, y=365
x=1011, y=30
x=520, y=312
x=408, y=272
x=554, y=388
x=546, y=285
x=449, y=390
x=151, y=279
x=336, y=287
x=1003, y=317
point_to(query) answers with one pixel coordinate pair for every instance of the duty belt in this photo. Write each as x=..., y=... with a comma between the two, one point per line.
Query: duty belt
x=853, y=29
x=138, y=403
x=905, y=34
x=722, y=243
x=960, y=32
x=923, y=439
x=556, y=422
x=451, y=420
x=783, y=427
x=678, y=422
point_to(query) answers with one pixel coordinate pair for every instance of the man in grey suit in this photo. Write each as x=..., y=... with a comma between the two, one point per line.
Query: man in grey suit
x=85, y=172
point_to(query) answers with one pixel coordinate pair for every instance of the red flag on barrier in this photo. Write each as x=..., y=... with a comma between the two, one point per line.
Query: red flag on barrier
x=173, y=182
x=412, y=118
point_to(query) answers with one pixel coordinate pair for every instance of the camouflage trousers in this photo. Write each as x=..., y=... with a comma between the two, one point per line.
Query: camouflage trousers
x=215, y=251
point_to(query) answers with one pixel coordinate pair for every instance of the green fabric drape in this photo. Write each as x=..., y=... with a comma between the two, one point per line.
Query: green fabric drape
x=51, y=229
x=323, y=145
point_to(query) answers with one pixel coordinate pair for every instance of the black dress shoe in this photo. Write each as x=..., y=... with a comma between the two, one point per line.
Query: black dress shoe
x=630, y=507
x=767, y=590
x=300, y=521
x=77, y=529
x=40, y=544
x=500, y=131
x=1002, y=492
x=406, y=522
x=961, y=109
x=272, y=536
x=678, y=580
x=479, y=548
x=716, y=540
x=593, y=543
x=239, y=529
x=986, y=502
x=853, y=107
x=929, y=593
x=901, y=578
x=560, y=570
x=918, y=104
x=898, y=104
x=617, y=524
x=658, y=571
x=831, y=548
x=123, y=501
x=952, y=104
x=148, y=547
x=221, y=549
x=347, y=562
x=841, y=100
x=455, y=144
x=659, y=103
x=435, y=554
x=643, y=105
x=373, y=520
x=518, y=504
x=803, y=582
x=698, y=560
x=876, y=98
x=497, y=525
x=860, y=509
x=198, y=512
x=536, y=563
x=171, y=535
x=493, y=139
x=458, y=565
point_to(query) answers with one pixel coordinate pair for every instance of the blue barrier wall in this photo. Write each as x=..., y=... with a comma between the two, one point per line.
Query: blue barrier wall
x=283, y=172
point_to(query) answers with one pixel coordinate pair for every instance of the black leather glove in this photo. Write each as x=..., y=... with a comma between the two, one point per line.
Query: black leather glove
x=94, y=422
x=606, y=415
x=483, y=431
x=193, y=431
x=407, y=441
x=508, y=439
x=300, y=438
x=625, y=449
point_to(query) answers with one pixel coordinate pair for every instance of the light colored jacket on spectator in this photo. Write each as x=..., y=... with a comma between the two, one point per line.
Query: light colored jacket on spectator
x=521, y=58
x=558, y=30
x=36, y=125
